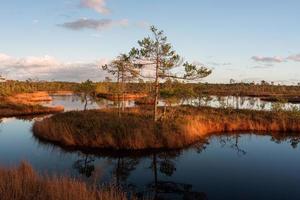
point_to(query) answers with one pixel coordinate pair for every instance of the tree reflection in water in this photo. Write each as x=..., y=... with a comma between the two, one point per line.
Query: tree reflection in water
x=85, y=165
x=166, y=164
x=293, y=139
x=163, y=163
x=233, y=142
x=166, y=190
x=122, y=169
x=163, y=167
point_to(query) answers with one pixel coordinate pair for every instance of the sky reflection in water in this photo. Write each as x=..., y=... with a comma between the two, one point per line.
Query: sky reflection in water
x=227, y=167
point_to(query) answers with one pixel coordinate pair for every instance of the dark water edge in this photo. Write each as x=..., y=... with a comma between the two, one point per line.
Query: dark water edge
x=232, y=166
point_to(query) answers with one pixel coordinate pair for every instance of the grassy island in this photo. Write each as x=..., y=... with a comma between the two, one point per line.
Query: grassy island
x=177, y=128
x=22, y=104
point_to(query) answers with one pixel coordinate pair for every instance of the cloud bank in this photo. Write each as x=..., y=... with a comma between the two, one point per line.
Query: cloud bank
x=274, y=59
x=295, y=58
x=50, y=68
x=94, y=24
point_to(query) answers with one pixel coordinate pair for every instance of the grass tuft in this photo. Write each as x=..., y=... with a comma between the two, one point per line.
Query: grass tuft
x=23, y=183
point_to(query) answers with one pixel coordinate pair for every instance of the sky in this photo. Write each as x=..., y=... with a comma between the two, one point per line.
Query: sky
x=69, y=39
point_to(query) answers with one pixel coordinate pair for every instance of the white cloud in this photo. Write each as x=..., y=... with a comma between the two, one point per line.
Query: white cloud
x=94, y=24
x=49, y=68
x=4, y=58
x=37, y=61
x=220, y=63
x=97, y=5
x=262, y=66
x=32, y=61
x=295, y=58
x=274, y=59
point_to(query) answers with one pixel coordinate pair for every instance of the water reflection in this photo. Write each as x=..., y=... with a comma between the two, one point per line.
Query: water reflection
x=75, y=102
x=159, y=189
x=293, y=140
x=237, y=102
x=233, y=141
x=85, y=165
x=123, y=167
x=213, y=169
x=125, y=164
x=229, y=166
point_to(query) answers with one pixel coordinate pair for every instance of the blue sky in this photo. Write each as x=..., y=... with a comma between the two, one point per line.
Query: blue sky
x=63, y=39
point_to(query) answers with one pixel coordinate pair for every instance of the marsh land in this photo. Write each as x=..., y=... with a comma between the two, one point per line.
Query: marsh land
x=106, y=149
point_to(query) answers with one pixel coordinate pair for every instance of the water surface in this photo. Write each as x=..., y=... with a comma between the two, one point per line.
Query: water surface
x=240, y=166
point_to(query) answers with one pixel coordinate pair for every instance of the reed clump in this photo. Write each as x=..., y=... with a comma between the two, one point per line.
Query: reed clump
x=177, y=128
x=23, y=183
x=29, y=98
x=207, y=121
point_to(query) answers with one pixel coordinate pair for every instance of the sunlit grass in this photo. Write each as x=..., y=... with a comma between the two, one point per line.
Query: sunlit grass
x=177, y=128
x=23, y=183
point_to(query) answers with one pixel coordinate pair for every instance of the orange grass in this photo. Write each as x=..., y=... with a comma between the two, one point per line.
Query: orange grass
x=29, y=98
x=178, y=128
x=23, y=183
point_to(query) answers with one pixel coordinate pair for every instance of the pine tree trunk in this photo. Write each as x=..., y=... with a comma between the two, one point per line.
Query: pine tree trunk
x=86, y=102
x=123, y=91
x=156, y=94
x=118, y=82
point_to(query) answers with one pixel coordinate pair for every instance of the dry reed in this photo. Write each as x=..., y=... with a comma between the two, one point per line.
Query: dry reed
x=23, y=183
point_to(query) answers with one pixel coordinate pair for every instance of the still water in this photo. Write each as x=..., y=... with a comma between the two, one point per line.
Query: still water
x=240, y=166
x=75, y=102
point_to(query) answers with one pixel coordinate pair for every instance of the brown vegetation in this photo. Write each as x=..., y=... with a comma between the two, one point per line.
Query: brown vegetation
x=8, y=109
x=207, y=121
x=10, y=87
x=145, y=101
x=26, y=104
x=242, y=89
x=247, y=89
x=99, y=129
x=23, y=183
x=177, y=128
x=174, y=88
x=29, y=98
